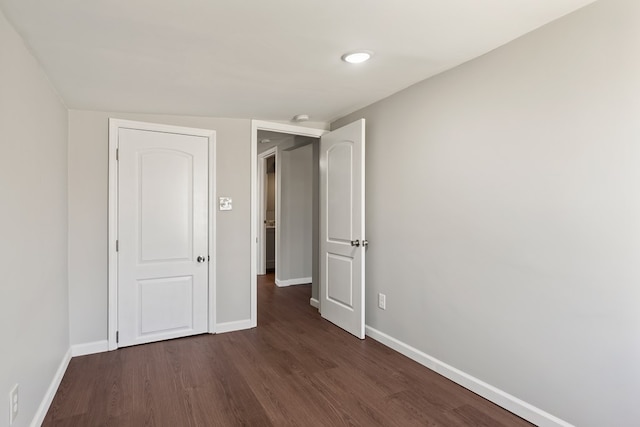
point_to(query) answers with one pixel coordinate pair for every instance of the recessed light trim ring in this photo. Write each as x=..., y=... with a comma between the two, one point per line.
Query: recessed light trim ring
x=357, y=57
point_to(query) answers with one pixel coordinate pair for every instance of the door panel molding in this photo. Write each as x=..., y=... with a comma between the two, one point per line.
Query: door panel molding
x=114, y=126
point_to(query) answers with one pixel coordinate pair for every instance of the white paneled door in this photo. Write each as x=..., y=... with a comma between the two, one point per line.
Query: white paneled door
x=342, y=238
x=162, y=235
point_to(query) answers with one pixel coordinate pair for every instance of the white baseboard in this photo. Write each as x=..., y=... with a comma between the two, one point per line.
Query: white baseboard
x=314, y=302
x=511, y=403
x=89, y=348
x=51, y=391
x=238, y=325
x=291, y=282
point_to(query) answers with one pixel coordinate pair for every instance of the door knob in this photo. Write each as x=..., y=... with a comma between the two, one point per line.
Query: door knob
x=365, y=243
x=201, y=259
x=355, y=243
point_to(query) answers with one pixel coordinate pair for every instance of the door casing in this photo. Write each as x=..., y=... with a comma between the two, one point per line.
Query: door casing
x=112, y=275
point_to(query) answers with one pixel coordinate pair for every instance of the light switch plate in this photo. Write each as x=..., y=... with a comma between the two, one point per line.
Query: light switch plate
x=225, y=203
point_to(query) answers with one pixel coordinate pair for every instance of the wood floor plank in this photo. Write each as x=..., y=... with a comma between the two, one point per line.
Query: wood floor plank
x=295, y=369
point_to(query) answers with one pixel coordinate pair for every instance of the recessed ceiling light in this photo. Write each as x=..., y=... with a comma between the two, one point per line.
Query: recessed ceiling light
x=357, y=57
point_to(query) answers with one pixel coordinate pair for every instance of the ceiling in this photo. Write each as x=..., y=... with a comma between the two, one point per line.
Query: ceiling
x=259, y=59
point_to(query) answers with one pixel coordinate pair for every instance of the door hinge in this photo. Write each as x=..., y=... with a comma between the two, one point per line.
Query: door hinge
x=117, y=337
x=117, y=245
x=208, y=258
x=117, y=154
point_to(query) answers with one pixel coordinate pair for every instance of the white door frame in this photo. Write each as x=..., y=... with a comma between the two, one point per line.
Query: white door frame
x=257, y=125
x=262, y=199
x=114, y=126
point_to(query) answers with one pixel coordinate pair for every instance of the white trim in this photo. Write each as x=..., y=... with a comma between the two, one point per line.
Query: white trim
x=213, y=249
x=292, y=282
x=314, y=303
x=114, y=125
x=112, y=271
x=237, y=325
x=89, y=348
x=41, y=412
x=511, y=403
x=262, y=200
x=257, y=125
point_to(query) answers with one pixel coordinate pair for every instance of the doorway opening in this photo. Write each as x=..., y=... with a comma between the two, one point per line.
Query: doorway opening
x=288, y=194
x=338, y=288
x=269, y=209
x=285, y=163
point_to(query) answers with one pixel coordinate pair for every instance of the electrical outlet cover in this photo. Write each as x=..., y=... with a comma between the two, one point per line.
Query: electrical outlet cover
x=382, y=301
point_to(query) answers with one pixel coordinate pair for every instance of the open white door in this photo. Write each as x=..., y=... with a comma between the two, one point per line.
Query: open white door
x=163, y=235
x=342, y=238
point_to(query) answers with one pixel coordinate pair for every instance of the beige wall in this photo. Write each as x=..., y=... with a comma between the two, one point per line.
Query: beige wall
x=33, y=225
x=295, y=226
x=503, y=211
x=88, y=173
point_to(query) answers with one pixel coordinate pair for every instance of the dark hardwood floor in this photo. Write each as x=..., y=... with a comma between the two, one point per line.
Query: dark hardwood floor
x=295, y=369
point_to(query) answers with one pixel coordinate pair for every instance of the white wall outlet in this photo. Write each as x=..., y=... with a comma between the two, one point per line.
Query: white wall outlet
x=226, y=203
x=382, y=301
x=13, y=400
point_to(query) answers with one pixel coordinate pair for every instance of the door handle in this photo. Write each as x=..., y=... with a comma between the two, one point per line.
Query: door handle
x=201, y=259
x=355, y=243
x=365, y=243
